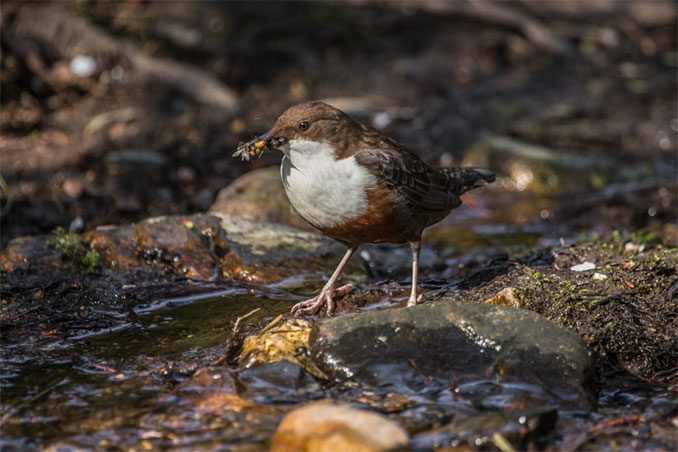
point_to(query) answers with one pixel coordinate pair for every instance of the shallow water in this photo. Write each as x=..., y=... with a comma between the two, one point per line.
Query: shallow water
x=129, y=387
x=110, y=381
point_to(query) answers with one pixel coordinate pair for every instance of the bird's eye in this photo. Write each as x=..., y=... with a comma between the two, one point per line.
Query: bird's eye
x=303, y=126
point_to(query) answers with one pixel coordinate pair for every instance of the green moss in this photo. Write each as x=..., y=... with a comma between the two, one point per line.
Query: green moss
x=593, y=302
x=567, y=285
x=73, y=251
x=644, y=288
x=521, y=295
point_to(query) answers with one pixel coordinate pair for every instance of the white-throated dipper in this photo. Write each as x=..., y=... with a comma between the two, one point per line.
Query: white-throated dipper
x=357, y=185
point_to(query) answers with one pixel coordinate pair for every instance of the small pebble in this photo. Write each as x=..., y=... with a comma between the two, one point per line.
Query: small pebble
x=83, y=66
x=599, y=276
x=583, y=267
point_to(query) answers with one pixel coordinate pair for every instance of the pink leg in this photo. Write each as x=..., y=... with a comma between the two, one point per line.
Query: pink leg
x=415, y=247
x=327, y=294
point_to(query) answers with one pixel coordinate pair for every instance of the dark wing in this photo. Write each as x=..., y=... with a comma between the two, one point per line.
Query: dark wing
x=425, y=190
x=461, y=180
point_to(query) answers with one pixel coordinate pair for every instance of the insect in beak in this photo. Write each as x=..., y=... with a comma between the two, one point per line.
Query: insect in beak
x=257, y=146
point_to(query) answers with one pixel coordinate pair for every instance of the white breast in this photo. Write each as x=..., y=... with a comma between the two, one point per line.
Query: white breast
x=325, y=191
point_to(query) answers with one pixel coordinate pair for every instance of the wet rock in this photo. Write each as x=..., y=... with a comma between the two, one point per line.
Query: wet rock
x=214, y=378
x=27, y=252
x=498, y=357
x=221, y=403
x=190, y=245
x=269, y=252
x=325, y=427
x=212, y=390
x=200, y=247
x=259, y=196
x=115, y=245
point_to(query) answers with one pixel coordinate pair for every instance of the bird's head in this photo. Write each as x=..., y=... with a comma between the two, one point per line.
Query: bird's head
x=302, y=128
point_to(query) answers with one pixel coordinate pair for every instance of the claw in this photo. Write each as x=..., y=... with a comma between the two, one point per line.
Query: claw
x=324, y=299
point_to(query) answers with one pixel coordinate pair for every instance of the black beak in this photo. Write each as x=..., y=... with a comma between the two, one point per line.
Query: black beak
x=256, y=146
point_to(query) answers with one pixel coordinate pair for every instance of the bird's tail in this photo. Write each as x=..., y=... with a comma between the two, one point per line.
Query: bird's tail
x=461, y=180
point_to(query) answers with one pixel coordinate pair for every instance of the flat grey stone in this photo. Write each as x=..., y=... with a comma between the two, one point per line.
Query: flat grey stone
x=494, y=354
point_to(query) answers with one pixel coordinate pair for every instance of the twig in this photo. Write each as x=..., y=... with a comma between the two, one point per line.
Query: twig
x=617, y=421
x=23, y=313
x=271, y=324
x=240, y=319
x=232, y=342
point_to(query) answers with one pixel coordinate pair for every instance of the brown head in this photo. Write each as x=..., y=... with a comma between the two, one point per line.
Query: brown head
x=312, y=121
x=315, y=121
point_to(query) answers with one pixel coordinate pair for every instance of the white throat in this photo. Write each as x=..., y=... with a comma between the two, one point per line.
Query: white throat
x=325, y=191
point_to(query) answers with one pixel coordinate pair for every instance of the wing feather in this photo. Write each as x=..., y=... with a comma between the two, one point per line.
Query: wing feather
x=423, y=189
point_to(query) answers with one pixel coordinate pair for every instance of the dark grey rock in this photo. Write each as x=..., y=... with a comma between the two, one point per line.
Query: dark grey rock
x=492, y=356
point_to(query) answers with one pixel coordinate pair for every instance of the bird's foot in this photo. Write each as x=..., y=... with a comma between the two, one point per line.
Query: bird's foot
x=415, y=300
x=324, y=298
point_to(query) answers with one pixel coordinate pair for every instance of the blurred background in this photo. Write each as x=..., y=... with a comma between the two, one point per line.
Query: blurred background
x=116, y=111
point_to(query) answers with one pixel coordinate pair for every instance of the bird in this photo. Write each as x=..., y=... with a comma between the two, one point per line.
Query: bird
x=357, y=185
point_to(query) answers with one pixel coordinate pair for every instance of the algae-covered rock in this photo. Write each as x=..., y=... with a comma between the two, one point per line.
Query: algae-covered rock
x=519, y=354
x=322, y=427
x=284, y=342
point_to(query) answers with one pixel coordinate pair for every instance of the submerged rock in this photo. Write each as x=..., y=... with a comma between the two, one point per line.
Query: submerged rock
x=280, y=382
x=497, y=357
x=212, y=390
x=518, y=429
x=324, y=427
